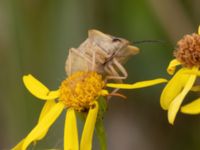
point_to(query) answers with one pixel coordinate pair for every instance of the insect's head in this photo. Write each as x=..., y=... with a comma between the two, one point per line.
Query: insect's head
x=110, y=43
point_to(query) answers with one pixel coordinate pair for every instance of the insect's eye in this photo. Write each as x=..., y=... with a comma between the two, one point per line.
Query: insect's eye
x=116, y=40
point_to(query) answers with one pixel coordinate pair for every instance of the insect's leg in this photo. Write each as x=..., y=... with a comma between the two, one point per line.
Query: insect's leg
x=113, y=92
x=70, y=62
x=121, y=68
x=107, y=71
x=78, y=53
x=73, y=56
x=93, y=60
x=102, y=53
x=113, y=74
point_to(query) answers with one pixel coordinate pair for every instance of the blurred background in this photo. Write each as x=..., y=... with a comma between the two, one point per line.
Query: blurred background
x=35, y=36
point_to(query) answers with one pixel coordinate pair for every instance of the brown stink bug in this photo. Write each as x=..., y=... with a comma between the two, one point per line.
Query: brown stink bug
x=102, y=53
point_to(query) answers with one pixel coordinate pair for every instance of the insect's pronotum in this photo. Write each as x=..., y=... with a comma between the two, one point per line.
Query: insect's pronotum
x=102, y=53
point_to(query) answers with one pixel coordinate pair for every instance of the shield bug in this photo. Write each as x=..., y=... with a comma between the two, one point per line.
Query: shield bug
x=102, y=53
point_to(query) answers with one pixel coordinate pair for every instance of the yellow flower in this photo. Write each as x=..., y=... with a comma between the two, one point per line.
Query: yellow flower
x=79, y=92
x=188, y=55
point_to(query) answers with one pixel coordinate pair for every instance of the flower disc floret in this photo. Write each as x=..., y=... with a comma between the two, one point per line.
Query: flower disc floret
x=80, y=89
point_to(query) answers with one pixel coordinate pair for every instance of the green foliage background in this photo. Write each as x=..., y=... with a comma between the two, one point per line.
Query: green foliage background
x=35, y=36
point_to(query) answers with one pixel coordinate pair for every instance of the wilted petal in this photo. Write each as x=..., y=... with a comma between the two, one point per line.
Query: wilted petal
x=43, y=125
x=173, y=88
x=87, y=135
x=38, y=89
x=71, y=132
x=192, y=108
x=172, y=66
x=176, y=103
x=137, y=85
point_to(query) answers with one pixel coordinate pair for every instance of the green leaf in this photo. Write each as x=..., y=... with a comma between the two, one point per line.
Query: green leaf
x=100, y=130
x=102, y=107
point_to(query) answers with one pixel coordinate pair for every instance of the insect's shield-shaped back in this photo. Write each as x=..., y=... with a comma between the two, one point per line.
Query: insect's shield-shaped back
x=98, y=53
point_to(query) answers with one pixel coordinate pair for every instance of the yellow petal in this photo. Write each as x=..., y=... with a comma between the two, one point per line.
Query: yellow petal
x=172, y=66
x=46, y=108
x=19, y=145
x=173, y=88
x=71, y=132
x=137, y=85
x=86, y=139
x=103, y=92
x=194, y=72
x=199, y=30
x=176, y=103
x=39, y=90
x=192, y=108
x=43, y=125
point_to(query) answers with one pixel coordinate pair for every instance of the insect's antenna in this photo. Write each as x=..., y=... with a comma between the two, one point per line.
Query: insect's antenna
x=148, y=41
